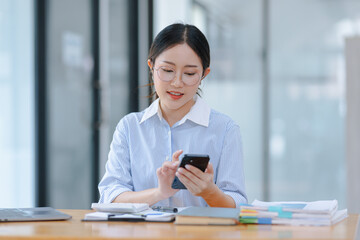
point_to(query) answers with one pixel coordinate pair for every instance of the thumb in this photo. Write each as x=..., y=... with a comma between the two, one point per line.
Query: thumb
x=176, y=155
x=210, y=169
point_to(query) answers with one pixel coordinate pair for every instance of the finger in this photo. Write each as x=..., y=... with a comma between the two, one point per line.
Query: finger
x=176, y=164
x=197, y=172
x=176, y=155
x=170, y=166
x=189, y=184
x=210, y=169
x=201, y=181
x=185, y=179
x=167, y=171
x=164, y=170
x=158, y=171
x=194, y=178
x=164, y=167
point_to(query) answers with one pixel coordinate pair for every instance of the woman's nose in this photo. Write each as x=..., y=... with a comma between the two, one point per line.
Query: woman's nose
x=177, y=81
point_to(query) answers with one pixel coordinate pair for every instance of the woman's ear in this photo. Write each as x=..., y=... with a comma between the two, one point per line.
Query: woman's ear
x=150, y=64
x=206, y=72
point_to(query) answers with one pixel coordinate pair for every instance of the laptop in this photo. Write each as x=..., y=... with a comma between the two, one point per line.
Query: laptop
x=31, y=214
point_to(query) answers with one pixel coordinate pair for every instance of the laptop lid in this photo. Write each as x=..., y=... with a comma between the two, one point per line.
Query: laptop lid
x=31, y=214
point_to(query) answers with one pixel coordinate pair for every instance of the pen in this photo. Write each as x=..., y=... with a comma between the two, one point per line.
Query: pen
x=165, y=209
x=152, y=214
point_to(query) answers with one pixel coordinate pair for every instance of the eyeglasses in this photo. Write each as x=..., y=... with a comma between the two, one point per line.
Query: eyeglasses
x=167, y=74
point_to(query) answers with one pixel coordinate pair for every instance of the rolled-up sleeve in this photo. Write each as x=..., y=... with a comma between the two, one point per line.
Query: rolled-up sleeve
x=117, y=178
x=230, y=175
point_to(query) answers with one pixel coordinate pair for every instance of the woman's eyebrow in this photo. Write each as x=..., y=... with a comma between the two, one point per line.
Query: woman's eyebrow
x=189, y=65
x=169, y=62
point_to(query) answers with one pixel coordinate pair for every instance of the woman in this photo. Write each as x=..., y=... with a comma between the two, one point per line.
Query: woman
x=146, y=147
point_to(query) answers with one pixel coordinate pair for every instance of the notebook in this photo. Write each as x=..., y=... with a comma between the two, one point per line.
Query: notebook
x=147, y=215
x=31, y=214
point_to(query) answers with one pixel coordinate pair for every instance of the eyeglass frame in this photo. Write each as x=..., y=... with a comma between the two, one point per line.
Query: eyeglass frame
x=157, y=70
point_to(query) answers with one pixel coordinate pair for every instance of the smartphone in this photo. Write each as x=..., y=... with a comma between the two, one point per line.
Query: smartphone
x=197, y=160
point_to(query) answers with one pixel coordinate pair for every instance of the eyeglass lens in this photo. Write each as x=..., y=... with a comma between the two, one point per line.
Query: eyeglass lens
x=189, y=77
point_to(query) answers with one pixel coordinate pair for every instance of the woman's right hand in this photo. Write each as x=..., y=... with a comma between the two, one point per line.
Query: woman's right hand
x=166, y=175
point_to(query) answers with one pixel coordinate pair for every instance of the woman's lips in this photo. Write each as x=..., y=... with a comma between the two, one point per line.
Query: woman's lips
x=175, y=95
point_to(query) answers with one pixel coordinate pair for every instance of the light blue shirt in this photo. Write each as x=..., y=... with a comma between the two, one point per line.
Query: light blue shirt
x=144, y=140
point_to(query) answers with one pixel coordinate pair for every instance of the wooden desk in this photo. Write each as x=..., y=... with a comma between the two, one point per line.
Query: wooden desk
x=75, y=229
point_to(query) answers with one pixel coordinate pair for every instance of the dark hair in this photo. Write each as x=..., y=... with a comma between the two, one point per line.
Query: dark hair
x=179, y=33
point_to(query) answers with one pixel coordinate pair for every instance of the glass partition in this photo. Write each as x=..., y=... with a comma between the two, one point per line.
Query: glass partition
x=114, y=48
x=17, y=181
x=69, y=103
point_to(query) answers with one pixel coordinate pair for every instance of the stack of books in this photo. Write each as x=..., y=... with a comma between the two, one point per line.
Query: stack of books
x=318, y=213
x=208, y=216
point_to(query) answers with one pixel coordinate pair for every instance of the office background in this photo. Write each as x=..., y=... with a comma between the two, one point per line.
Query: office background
x=70, y=70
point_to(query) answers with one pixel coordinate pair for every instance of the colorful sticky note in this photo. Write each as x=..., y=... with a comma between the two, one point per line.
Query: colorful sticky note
x=275, y=209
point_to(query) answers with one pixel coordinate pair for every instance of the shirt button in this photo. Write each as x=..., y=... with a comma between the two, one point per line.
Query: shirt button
x=167, y=158
x=169, y=132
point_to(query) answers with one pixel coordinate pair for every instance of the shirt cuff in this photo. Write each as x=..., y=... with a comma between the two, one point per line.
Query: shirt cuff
x=109, y=195
x=238, y=198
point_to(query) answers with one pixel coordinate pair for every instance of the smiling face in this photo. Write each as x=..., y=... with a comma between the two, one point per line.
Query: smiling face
x=176, y=97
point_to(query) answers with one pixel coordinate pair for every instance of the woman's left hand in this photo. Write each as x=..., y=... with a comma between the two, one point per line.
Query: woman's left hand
x=197, y=182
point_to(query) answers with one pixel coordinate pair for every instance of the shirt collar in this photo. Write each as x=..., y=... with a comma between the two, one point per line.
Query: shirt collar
x=151, y=111
x=199, y=113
